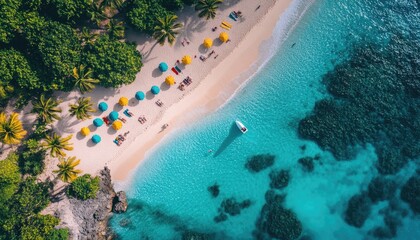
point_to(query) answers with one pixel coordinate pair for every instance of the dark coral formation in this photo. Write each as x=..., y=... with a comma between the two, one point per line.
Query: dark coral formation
x=410, y=193
x=279, y=179
x=381, y=188
x=307, y=163
x=230, y=206
x=358, y=210
x=374, y=98
x=192, y=235
x=276, y=221
x=214, y=190
x=260, y=162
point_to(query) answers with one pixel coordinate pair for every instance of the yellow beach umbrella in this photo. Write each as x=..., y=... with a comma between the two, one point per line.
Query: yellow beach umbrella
x=117, y=125
x=186, y=60
x=224, y=37
x=170, y=80
x=85, y=131
x=123, y=101
x=208, y=43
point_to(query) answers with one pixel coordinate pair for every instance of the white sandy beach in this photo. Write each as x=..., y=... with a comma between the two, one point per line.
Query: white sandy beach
x=214, y=81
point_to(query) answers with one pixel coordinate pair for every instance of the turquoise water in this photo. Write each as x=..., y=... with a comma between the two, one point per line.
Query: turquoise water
x=168, y=193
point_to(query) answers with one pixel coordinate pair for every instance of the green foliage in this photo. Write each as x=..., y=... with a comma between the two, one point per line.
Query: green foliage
x=116, y=29
x=38, y=227
x=9, y=20
x=207, y=8
x=166, y=30
x=114, y=63
x=16, y=74
x=32, y=162
x=71, y=11
x=84, y=187
x=144, y=14
x=57, y=51
x=9, y=177
x=59, y=234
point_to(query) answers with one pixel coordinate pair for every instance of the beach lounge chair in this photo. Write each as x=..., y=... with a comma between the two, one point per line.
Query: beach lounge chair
x=233, y=17
x=106, y=120
x=178, y=69
x=122, y=120
x=174, y=70
x=128, y=113
x=226, y=25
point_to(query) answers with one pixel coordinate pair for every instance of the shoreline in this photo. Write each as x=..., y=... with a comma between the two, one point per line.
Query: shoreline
x=216, y=92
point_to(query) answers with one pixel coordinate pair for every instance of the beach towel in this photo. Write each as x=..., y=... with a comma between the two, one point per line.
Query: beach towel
x=173, y=70
x=178, y=69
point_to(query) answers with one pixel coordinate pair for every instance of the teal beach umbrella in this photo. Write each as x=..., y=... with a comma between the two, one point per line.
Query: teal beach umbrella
x=163, y=67
x=155, y=90
x=98, y=122
x=139, y=95
x=103, y=106
x=113, y=115
x=96, y=138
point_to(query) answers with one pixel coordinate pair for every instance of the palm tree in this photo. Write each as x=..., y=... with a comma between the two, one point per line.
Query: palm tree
x=6, y=91
x=82, y=108
x=167, y=29
x=83, y=79
x=115, y=29
x=66, y=169
x=96, y=13
x=56, y=144
x=116, y=4
x=88, y=37
x=47, y=109
x=207, y=8
x=11, y=130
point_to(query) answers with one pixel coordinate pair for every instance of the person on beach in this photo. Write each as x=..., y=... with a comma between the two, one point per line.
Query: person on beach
x=258, y=7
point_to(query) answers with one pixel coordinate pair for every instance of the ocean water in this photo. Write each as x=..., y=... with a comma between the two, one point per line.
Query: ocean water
x=168, y=194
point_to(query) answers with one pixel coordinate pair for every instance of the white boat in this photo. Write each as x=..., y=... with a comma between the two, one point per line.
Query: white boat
x=241, y=126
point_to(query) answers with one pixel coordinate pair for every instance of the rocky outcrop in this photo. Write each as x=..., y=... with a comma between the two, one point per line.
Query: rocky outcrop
x=120, y=204
x=92, y=215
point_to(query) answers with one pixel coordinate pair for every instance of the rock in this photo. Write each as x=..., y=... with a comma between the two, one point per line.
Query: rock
x=214, y=190
x=307, y=163
x=358, y=210
x=410, y=193
x=260, y=162
x=192, y=235
x=230, y=206
x=120, y=204
x=220, y=218
x=92, y=215
x=380, y=189
x=279, y=179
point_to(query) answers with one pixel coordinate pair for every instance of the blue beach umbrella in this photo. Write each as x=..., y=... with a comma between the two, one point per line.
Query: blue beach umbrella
x=98, y=122
x=103, y=106
x=139, y=95
x=113, y=115
x=163, y=67
x=96, y=138
x=155, y=90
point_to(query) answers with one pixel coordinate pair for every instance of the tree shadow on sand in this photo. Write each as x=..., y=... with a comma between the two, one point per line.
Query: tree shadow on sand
x=233, y=134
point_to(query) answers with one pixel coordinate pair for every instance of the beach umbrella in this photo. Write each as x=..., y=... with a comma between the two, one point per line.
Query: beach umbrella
x=139, y=95
x=123, y=101
x=163, y=67
x=113, y=115
x=186, y=59
x=208, y=43
x=85, y=131
x=96, y=138
x=117, y=125
x=224, y=37
x=155, y=90
x=103, y=106
x=98, y=122
x=170, y=80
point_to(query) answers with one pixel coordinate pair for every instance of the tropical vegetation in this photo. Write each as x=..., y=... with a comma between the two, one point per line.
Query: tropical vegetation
x=66, y=169
x=56, y=144
x=167, y=29
x=11, y=129
x=82, y=108
x=83, y=79
x=46, y=109
x=84, y=187
x=207, y=8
